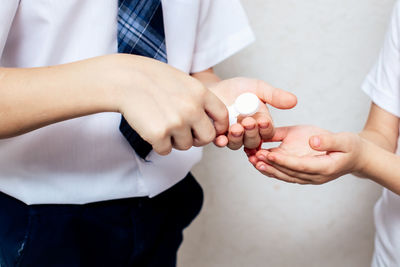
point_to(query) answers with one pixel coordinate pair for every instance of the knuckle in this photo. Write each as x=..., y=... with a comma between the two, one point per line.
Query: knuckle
x=186, y=146
x=251, y=146
x=211, y=135
x=267, y=128
x=199, y=143
x=207, y=137
x=200, y=91
x=164, y=150
x=159, y=134
x=236, y=142
x=190, y=110
x=174, y=123
x=234, y=146
x=252, y=135
x=182, y=145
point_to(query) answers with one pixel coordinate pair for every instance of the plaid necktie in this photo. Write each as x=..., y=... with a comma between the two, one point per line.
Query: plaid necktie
x=140, y=32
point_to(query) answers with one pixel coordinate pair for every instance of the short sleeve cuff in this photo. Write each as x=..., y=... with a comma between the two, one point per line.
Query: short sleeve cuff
x=381, y=98
x=218, y=52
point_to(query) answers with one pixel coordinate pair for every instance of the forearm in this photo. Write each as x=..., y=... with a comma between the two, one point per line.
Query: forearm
x=36, y=97
x=379, y=139
x=381, y=128
x=381, y=166
x=380, y=136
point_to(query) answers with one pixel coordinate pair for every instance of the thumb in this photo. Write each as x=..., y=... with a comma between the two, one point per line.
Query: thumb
x=339, y=142
x=275, y=97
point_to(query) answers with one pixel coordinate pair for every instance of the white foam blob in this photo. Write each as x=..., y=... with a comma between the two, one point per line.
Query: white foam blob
x=246, y=104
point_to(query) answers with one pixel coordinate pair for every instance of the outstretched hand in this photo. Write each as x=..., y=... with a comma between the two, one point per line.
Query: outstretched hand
x=250, y=131
x=309, y=155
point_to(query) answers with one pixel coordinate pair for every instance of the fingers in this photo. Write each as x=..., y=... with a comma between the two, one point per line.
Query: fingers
x=217, y=111
x=314, y=165
x=259, y=161
x=252, y=152
x=163, y=146
x=275, y=97
x=280, y=134
x=182, y=139
x=270, y=171
x=203, y=132
x=252, y=137
x=235, y=137
x=265, y=124
x=221, y=141
x=309, y=178
x=251, y=131
x=253, y=160
x=340, y=142
x=266, y=129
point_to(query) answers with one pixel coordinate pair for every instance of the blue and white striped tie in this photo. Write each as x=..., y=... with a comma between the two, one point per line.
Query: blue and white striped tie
x=140, y=32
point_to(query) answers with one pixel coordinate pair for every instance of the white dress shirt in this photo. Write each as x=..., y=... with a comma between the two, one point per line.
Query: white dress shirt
x=87, y=159
x=383, y=86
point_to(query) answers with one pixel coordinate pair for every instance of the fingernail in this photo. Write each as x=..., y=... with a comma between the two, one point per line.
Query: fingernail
x=262, y=168
x=261, y=157
x=250, y=127
x=237, y=134
x=316, y=141
x=263, y=125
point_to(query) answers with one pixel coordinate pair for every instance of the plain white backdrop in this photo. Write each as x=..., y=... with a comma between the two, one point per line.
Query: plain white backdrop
x=321, y=51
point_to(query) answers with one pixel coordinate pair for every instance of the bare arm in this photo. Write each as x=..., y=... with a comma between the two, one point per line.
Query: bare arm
x=33, y=98
x=160, y=102
x=382, y=128
x=380, y=164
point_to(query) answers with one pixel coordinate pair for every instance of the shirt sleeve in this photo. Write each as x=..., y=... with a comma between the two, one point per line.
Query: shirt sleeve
x=8, y=8
x=382, y=84
x=223, y=29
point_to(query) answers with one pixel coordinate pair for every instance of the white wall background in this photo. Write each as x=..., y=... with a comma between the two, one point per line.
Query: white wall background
x=320, y=50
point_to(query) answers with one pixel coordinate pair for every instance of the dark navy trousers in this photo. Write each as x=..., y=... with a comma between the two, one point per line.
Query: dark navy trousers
x=127, y=232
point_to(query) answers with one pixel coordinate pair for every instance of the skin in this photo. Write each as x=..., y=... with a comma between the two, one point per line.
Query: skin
x=250, y=131
x=167, y=107
x=310, y=155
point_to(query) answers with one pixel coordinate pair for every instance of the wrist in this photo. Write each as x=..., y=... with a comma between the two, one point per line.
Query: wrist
x=211, y=81
x=91, y=83
x=208, y=78
x=123, y=76
x=362, y=159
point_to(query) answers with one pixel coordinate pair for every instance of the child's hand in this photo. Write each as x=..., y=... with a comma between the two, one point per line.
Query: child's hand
x=309, y=155
x=250, y=131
